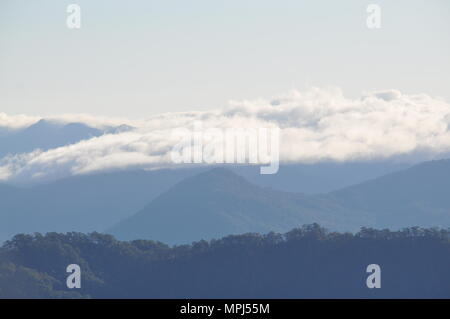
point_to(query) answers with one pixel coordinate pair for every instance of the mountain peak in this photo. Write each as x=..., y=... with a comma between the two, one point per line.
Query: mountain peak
x=215, y=178
x=43, y=124
x=219, y=172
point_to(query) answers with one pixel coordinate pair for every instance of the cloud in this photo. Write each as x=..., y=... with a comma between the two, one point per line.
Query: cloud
x=319, y=124
x=13, y=122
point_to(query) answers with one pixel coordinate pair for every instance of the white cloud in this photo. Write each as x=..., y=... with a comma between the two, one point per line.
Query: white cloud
x=317, y=124
x=14, y=122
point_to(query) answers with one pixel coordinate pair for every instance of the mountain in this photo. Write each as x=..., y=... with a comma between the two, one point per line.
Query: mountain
x=99, y=201
x=81, y=203
x=182, y=205
x=45, y=135
x=218, y=202
x=418, y=196
x=320, y=177
x=295, y=178
x=4, y=131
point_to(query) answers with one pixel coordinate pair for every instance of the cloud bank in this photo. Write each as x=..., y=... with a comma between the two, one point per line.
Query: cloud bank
x=318, y=124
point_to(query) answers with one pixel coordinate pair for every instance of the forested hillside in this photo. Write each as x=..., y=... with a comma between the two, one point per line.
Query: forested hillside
x=306, y=262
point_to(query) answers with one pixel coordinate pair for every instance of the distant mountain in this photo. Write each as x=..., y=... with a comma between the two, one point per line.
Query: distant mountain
x=81, y=203
x=219, y=202
x=418, y=196
x=45, y=135
x=7, y=191
x=98, y=201
x=296, y=178
x=320, y=177
x=4, y=131
x=183, y=205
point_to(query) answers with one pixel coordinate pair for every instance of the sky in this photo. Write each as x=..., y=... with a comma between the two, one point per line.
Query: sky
x=139, y=58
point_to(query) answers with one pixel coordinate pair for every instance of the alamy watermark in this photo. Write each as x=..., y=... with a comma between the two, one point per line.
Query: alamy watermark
x=374, y=279
x=373, y=20
x=73, y=20
x=228, y=146
x=74, y=279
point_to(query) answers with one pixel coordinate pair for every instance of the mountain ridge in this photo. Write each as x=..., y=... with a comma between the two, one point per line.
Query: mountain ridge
x=219, y=202
x=103, y=201
x=45, y=135
x=239, y=206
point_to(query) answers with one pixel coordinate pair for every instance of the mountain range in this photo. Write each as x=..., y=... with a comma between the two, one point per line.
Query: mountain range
x=218, y=202
x=81, y=203
x=44, y=135
x=183, y=205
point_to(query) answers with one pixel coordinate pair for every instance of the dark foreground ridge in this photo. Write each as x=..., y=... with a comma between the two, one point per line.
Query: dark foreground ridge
x=307, y=262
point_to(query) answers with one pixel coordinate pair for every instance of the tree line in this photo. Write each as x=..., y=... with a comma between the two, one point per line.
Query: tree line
x=307, y=262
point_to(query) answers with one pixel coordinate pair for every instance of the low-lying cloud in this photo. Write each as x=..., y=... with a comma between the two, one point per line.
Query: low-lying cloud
x=315, y=125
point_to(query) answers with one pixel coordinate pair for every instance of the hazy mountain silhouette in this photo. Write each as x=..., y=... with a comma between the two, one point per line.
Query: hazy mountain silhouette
x=320, y=177
x=219, y=202
x=182, y=205
x=98, y=201
x=81, y=203
x=45, y=135
x=419, y=195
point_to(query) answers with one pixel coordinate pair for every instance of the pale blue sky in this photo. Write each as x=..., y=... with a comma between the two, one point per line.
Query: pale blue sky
x=137, y=58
